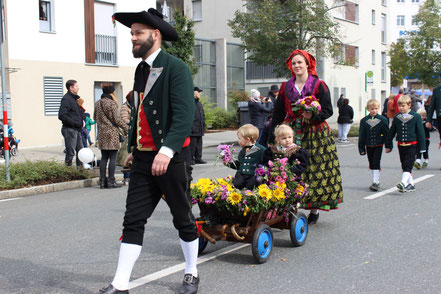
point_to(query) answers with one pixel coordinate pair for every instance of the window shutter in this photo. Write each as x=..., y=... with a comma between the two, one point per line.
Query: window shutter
x=53, y=92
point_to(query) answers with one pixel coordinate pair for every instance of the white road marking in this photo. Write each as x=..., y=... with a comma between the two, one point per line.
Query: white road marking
x=379, y=194
x=9, y=199
x=180, y=267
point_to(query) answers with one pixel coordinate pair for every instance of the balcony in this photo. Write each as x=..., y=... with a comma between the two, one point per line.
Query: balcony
x=255, y=71
x=105, y=49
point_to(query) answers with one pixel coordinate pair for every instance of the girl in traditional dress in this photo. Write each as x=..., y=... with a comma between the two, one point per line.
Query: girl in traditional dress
x=312, y=133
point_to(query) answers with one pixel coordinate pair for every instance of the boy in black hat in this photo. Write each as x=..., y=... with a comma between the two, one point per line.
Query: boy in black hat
x=197, y=130
x=158, y=142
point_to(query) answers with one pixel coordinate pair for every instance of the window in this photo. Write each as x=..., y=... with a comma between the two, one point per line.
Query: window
x=46, y=16
x=204, y=53
x=372, y=93
x=383, y=67
x=235, y=67
x=414, y=21
x=373, y=16
x=383, y=28
x=105, y=35
x=53, y=92
x=336, y=96
x=347, y=10
x=197, y=10
x=373, y=57
x=400, y=1
x=384, y=2
x=348, y=55
x=415, y=1
x=400, y=20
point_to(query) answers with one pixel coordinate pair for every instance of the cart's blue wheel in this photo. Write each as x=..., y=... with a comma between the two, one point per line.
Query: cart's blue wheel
x=298, y=229
x=262, y=243
x=202, y=244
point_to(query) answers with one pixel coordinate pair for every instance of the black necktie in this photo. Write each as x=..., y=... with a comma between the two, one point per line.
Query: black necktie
x=141, y=75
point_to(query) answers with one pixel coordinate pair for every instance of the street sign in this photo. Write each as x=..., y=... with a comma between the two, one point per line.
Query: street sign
x=370, y=78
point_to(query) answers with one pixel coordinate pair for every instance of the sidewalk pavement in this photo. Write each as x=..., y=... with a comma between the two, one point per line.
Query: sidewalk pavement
x=56, y=152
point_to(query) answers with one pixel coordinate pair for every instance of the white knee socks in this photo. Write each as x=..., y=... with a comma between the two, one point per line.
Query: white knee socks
x=376, y=176
x=128, y=254
x=190, y=250
x=406, y=178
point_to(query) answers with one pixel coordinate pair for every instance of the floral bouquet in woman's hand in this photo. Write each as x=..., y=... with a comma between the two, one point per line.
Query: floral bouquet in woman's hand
x=308, y=103
x=226, y=154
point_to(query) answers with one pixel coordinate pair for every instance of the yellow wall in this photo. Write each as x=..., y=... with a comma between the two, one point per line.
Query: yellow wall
x=31, y=125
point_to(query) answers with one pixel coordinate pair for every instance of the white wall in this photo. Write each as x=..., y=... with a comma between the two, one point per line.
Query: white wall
x=67, y=43
x=408, y=9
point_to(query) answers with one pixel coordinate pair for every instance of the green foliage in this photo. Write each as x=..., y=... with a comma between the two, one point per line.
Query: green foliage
x=235, y=96
x=215, y=117
x=399, y=67
x=36, y=173
x=418, y=55
x=424, y=45
x=272, y=29
x=183, y=48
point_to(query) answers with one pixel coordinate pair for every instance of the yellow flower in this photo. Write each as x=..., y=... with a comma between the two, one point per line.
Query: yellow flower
x=229, y=187
x=203, y=182
x=222, y=182
x=245, y=212
x=278, y=195
x=265, y=193
x=234, y=198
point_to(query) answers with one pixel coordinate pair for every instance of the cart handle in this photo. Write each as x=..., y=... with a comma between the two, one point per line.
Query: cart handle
x=235, y=234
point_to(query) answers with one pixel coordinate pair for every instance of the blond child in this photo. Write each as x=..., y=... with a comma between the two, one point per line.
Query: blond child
x=408, y=127
x=285, y=147
x=422, y=112
x=373, y=131
x=250, y=156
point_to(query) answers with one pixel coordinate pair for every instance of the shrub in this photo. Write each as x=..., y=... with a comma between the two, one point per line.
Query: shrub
x=41, y=172
x=218, y=118
x=353, y=132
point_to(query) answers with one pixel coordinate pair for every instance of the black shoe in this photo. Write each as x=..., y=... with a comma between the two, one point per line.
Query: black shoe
x=112, y=290
x=104, y=183
x=68, y=163
x=189, y=285
x=200, y=161
x=113, y=184
x=374, y=187
x=313, y=218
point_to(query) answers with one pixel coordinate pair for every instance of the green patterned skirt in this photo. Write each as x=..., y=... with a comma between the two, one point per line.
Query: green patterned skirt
x=323, y=173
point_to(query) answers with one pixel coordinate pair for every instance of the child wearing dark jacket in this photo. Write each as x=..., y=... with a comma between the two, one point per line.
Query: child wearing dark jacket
x=298, y=158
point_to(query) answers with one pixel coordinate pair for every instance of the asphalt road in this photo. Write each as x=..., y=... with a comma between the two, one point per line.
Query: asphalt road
x=67, y=242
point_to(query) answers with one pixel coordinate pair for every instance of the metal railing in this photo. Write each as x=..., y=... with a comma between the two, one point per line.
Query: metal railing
x=105, y=49
x=255, y=71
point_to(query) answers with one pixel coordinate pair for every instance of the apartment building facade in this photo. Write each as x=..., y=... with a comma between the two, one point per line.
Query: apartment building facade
x=52, y=41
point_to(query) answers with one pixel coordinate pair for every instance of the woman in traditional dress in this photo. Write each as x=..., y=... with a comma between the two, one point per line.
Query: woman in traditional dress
x=312, y=133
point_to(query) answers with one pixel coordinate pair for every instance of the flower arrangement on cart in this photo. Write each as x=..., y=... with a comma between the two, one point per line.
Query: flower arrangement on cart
x=244, y=215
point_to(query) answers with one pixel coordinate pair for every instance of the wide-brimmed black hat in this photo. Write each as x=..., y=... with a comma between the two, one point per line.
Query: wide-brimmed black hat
x=152, y=18
x=197, y=89
x=274, y=88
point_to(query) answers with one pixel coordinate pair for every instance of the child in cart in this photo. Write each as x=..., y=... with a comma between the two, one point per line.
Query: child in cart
x=298, y=158
x=249, y=157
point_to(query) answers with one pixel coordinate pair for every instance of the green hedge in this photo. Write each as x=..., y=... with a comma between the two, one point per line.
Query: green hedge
x=353, y=132
x=37, y=173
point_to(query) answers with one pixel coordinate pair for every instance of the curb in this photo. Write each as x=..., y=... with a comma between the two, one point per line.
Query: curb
x=56, y=187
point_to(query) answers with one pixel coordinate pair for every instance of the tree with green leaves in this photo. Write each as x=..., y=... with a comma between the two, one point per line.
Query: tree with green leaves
x=419, y=54
x=399, y=67
x=425, y=44
x=183, y=48
x=271, y=29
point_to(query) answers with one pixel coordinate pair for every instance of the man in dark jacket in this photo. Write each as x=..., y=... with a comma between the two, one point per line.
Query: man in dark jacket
x=259, y=109
x=273, y=93
x=197, y=130
x=72, y=117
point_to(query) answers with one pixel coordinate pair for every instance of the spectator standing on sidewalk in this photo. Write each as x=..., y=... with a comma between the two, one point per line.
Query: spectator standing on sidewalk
x=126, y=112
x=72, y=118
x=273, y=93
x=259, y=108
x=109, y=122
x=197, y=130
x=344, y=120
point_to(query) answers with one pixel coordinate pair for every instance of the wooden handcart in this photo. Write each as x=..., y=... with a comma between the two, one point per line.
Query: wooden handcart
x=254, y=228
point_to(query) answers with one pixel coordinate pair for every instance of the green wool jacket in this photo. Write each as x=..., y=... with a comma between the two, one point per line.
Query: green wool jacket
x=373, y=132
x=248, y=159
x=168, y=103
x=435, y=104
x=407, y=130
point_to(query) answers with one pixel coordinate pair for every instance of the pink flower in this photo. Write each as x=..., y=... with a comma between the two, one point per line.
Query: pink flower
x=283, y=161
x=284, y=175
x=270, y=163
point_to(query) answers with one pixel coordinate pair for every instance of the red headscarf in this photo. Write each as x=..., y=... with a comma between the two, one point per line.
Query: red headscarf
x=309, y=58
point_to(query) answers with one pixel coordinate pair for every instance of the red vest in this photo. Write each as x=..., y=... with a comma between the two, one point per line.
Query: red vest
x=144, y=138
